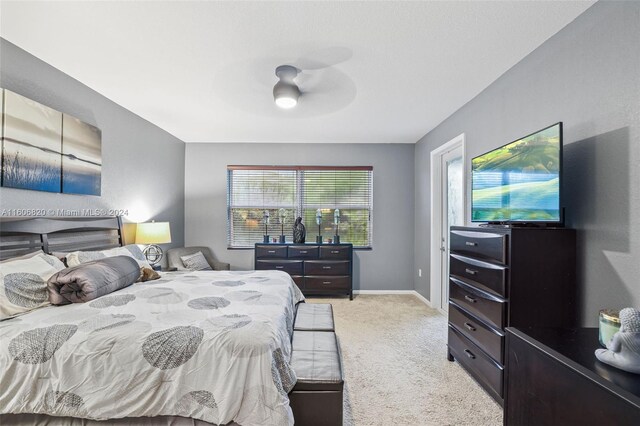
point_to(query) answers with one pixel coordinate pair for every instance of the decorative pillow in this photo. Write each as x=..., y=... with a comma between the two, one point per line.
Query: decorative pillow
x=90, y=280
x=23, y=283
x=77, y=257
x=196, y=262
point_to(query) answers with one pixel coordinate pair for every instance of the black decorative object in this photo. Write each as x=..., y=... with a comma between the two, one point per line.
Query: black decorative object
x=282, y=217
x=319, y=222
x=336, y=220
x=266, y=225
x=299, y=231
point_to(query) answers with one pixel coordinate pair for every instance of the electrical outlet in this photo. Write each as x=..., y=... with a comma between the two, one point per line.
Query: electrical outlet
x=419, y=272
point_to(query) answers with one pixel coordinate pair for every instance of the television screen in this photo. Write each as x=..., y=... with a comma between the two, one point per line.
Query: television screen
x=520, y=181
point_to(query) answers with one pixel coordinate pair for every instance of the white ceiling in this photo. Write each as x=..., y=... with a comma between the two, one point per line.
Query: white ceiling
x=383, y=72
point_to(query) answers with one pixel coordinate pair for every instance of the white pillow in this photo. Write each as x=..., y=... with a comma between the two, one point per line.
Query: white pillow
x=23, y=283
x=195, y=262
x=77, y=257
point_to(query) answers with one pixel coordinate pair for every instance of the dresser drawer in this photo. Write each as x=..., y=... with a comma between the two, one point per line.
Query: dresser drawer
x=303, y=252
x=485, y=275
x=299, y=280
x=483, y=305
x=488, y=339
x=292, y=267
x=335, y=252
x=326, y=267
x=342, y=283
x=479, y=364
x=270, y=251
x=486, y=245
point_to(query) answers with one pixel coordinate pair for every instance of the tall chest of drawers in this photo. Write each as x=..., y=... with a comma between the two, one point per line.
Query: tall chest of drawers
x=506, y=277
x=317, y=269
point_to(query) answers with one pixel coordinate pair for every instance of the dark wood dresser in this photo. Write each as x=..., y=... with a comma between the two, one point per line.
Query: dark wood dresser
x=506, y=277
x=554, y=378
x=317, y=269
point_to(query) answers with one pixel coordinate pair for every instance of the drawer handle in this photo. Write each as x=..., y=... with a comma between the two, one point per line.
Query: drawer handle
x=469, y=326
x=326, y=267
x=470, y=299
x=469, y=354
x=279, y=267
x=271, y=251
x=335, y=251
x=470, y=271
x=326, y=282
x=303, y=251
x=471, y=243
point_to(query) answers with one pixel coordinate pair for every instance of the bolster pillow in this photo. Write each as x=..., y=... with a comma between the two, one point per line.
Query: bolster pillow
x=91, y=280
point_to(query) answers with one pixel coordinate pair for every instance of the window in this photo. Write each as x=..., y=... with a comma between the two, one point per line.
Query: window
x=300, y=191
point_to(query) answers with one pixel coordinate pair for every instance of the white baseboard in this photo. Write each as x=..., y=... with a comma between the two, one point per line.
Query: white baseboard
x=380, y=292
x=422, y=298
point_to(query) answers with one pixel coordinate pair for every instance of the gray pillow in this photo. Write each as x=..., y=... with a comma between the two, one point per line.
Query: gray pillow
x=91, y=280
x=196, y=262
x=77, y=257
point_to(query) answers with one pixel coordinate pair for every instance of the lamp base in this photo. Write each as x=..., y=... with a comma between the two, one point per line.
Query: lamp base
x=153, y=253
x=283, y=239
x=265, y=239
x=336, y=239
x=319, y=239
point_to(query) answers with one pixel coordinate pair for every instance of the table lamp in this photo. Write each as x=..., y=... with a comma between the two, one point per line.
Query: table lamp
x=151, y=234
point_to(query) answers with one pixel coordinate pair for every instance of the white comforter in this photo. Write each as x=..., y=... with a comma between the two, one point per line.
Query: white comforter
x=214, y=346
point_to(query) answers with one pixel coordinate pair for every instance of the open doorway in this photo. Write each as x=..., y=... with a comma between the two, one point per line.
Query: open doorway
x=448, y=207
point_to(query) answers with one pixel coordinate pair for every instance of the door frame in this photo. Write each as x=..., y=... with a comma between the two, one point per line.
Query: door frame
x=436, y=213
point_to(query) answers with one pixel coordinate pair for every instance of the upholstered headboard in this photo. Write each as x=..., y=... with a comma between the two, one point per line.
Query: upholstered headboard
x=19, y=236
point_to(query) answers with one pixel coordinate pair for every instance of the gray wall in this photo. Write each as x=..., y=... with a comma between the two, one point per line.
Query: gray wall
x=588, y=76
x=142, y=165
x=387, y=267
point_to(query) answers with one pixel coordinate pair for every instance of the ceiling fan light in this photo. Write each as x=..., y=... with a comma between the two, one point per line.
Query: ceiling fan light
x=286, y=103
x=286, y=94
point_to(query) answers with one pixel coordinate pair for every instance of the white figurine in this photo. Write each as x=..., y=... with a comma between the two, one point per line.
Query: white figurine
x=623, y=351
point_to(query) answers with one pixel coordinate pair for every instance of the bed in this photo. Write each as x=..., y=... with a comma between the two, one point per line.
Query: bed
x=206, y=347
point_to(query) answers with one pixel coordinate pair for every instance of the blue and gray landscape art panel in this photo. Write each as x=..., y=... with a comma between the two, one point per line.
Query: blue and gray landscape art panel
x=45, y=150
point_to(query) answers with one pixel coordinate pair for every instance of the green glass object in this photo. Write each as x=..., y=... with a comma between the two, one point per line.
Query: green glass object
x=609, y=325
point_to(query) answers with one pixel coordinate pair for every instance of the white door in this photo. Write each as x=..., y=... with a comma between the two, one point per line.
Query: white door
x=452, y=211
x=447, y=209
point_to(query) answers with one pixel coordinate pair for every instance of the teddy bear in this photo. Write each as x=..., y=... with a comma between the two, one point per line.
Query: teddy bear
x=623, y=351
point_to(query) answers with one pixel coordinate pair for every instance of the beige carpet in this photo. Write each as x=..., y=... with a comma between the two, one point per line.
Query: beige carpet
x=395, y=366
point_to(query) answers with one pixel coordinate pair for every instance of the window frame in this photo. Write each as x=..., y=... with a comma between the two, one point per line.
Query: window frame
x=298, y=203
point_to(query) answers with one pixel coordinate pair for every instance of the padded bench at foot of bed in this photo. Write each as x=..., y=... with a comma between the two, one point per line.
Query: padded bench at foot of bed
x=316, y=399
x=314, y=317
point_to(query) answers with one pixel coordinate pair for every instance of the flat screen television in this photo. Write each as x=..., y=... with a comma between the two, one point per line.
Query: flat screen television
x=519, y=182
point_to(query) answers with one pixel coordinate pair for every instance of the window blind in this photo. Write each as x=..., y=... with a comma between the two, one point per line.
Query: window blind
x=250, y=193
x=301, y=191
